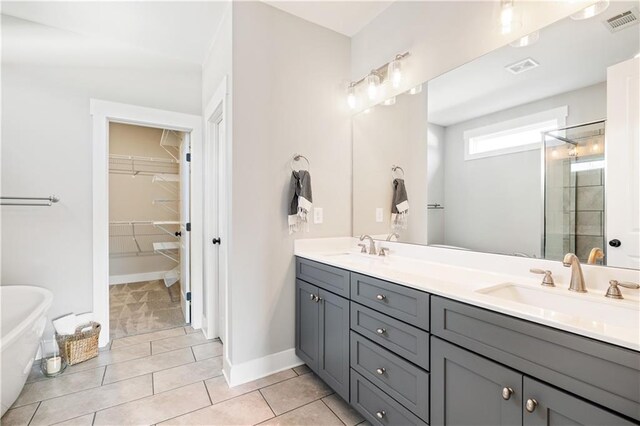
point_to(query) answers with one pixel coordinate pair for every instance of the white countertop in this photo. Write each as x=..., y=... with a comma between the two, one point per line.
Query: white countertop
x=609, y=324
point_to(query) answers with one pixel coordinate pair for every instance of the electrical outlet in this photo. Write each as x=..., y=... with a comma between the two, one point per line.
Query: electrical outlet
x=317, y=215
x=379, y=214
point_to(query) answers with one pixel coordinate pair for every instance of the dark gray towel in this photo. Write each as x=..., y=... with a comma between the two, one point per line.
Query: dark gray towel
x=301, y=199
x=399, y=205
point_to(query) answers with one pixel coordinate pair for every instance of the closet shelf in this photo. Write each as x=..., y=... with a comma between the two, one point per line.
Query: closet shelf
x=170, y=141
x=168, y=250
x=145, y=166
x=168, y=182
x=137, y=237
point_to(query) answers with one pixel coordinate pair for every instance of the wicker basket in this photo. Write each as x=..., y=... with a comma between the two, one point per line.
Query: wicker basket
x=80, y=346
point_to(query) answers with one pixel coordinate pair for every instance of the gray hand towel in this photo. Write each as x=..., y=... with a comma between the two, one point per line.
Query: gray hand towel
x=399, y=206
x=301, y=199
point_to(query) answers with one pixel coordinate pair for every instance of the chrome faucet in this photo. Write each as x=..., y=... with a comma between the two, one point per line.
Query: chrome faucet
x=372, y=244
x=395, y=234
x=577, y=279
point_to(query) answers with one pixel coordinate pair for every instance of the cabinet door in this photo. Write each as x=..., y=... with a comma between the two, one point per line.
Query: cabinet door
x=547, y=406
x=467, y=389
x=333, y=362
x=307, y=325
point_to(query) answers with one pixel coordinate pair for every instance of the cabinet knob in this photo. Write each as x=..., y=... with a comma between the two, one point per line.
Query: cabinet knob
x=381, y=297
x=506, y=393
x=380, y=414
x=381, y=330
x=312, y=297
x=380, y=371
x=531, y=405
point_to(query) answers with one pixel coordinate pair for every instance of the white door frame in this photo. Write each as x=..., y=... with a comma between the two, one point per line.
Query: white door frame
x=217, y=154
x=104, y=112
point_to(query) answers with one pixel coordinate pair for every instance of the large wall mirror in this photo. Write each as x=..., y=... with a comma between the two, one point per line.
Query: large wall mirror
x=531, y=150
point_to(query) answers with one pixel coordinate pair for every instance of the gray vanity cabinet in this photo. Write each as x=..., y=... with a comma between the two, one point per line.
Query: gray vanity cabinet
x=333, y=362
x=307, y=323
x=556, y=408
x=322, y=326
x=467, y=389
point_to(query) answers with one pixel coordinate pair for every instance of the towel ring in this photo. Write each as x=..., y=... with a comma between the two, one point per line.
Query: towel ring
x=395, y=172
x=299, y=157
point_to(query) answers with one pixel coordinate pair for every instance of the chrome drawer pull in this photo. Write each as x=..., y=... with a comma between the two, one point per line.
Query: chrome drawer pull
x=531, y=405
x=381, y=330
x=380, y=371
x=506, y=393
x=380, y=414
x=381, y=297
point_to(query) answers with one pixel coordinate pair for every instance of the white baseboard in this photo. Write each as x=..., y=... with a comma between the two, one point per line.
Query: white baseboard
x=258, y=368
x=136, y=278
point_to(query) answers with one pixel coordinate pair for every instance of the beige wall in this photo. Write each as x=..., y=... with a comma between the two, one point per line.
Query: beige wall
x=386, y=136
x=131, y=198
x=288, y=98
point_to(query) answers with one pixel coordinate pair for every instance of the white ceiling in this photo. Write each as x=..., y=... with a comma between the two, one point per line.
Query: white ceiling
x=572, y=54
x=180, y=30
x=345, y=17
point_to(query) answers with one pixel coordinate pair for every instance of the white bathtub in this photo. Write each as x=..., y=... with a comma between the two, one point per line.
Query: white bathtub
x=23, y=311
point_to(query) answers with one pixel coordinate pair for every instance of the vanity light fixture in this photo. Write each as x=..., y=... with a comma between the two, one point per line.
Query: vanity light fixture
x=415, y=90
x=391, y=71
x=527, y=40
x=373, y=81
x=389, y=101
x=351, y=96
x=591, y=11
x=506, y=16
x=395, y=71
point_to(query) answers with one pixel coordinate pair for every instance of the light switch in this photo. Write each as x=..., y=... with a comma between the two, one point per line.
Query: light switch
x=379, y=214
x=317, y=215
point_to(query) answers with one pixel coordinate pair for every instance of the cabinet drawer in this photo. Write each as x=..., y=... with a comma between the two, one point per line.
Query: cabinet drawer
x=333, y=279
x=403, y=381
x=376, y=406
x=405, y=340
x=599, y=372
x=403, y=303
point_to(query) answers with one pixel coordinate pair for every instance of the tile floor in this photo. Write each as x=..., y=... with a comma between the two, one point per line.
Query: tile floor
x=173, y=377
x=143, y=307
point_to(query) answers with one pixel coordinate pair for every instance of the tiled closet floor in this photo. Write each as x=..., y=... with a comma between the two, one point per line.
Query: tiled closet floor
x=170, y=377
x=143, y=307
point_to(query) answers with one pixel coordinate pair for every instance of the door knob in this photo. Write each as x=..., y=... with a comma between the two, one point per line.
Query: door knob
x=178, y=233
x=506, y=393
x=531, y=405
x=216, y=240
x=615, y=243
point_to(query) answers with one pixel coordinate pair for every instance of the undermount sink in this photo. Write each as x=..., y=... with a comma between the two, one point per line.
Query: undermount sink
x=357, y=258
x=562, y=305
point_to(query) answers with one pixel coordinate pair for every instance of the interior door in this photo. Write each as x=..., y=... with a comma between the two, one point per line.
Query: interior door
x=185, y=218
x=622, y=171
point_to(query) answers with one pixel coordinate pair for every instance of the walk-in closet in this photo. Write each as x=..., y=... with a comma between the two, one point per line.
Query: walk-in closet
x=148, y=201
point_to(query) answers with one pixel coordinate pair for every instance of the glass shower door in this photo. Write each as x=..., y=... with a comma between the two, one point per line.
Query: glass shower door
x=574, y=192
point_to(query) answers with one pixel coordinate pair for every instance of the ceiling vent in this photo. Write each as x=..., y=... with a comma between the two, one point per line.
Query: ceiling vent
x=522, y=66
x=622, y=20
